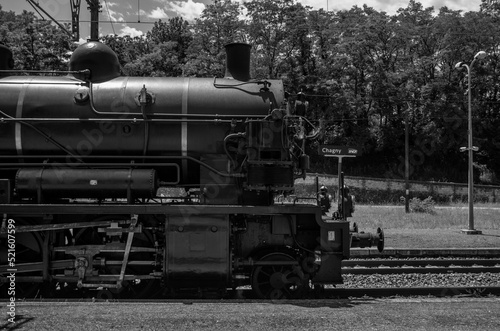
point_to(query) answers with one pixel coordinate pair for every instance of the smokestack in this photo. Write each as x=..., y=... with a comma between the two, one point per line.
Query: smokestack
x=238, y=61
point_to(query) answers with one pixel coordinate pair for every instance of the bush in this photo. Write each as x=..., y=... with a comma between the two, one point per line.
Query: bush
x=422, y=206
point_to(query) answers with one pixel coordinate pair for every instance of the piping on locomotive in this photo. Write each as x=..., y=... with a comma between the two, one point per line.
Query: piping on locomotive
x=144, y=185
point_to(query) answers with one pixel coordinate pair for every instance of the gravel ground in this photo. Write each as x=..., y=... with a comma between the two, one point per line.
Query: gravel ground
x=421, y=280
x=356, y=314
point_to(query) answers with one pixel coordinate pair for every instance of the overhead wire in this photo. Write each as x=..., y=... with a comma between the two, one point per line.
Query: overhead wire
x=34, y=7
x=109, y=15
x=407, y=36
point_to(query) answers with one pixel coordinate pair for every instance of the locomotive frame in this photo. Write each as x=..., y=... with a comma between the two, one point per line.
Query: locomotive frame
x=213, y=238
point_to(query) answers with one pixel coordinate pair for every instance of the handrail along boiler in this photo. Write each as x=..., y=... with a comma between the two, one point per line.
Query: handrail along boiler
x=123, y=184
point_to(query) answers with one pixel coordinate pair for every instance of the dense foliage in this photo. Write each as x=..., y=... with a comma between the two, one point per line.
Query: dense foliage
x=364, y=73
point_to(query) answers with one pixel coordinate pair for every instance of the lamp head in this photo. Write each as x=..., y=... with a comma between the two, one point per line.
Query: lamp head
x=459, y=65
x=480, y=55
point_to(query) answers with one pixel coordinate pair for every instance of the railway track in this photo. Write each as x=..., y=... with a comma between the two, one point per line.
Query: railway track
x=421, y=266
x=437, y=264
x=425, y=252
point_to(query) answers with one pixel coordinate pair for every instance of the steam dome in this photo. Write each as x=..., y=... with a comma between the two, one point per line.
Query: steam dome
x=98, y=58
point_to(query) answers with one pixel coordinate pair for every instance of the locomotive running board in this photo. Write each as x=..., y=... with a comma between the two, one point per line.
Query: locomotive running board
x=181, y=210
x=64, y=226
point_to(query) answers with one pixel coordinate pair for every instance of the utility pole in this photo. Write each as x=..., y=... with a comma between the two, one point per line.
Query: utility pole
x=94, y=8
x=470, y=147
x=407, y=161
x=75, y=19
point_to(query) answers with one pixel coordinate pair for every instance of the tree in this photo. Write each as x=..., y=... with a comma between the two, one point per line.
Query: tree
x=36, y=45
x=490, y=7
x=276, y=29
x=176, y=30
x=127, y=49
x=218, y=25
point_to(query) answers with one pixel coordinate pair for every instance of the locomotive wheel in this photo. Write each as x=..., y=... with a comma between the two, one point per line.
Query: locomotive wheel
x=137, y=289
x=28, y=248
x=279, y=281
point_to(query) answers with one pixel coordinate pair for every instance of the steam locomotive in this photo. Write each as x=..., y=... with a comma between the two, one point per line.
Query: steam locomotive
x=128, y=185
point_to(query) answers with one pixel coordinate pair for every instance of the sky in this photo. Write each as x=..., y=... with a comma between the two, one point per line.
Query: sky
x=125, y=14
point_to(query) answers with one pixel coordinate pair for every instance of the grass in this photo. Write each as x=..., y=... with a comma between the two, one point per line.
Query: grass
x=454, y=217
x=390, y=213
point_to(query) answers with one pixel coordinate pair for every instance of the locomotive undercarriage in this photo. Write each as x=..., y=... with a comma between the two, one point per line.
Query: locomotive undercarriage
x=171, y=250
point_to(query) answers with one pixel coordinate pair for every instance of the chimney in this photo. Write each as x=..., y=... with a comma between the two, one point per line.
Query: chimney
x=238, y=61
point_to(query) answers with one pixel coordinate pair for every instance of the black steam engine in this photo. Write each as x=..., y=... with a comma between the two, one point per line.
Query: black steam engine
x=129, y=185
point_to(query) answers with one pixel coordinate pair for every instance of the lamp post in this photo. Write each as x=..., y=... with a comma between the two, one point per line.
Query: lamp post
x=470, y=148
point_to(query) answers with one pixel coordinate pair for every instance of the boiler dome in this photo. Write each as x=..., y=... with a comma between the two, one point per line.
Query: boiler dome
x=98, y=58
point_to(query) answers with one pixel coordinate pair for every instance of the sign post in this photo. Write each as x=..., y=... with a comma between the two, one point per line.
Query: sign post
x=339, y=152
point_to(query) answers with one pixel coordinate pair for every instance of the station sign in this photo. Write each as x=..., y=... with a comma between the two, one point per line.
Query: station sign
x=332, y=150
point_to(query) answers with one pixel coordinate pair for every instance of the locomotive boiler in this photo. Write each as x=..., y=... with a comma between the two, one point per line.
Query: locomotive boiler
x=125, y=185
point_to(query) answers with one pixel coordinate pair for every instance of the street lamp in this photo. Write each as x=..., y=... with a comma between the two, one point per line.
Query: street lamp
x=470, y=148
